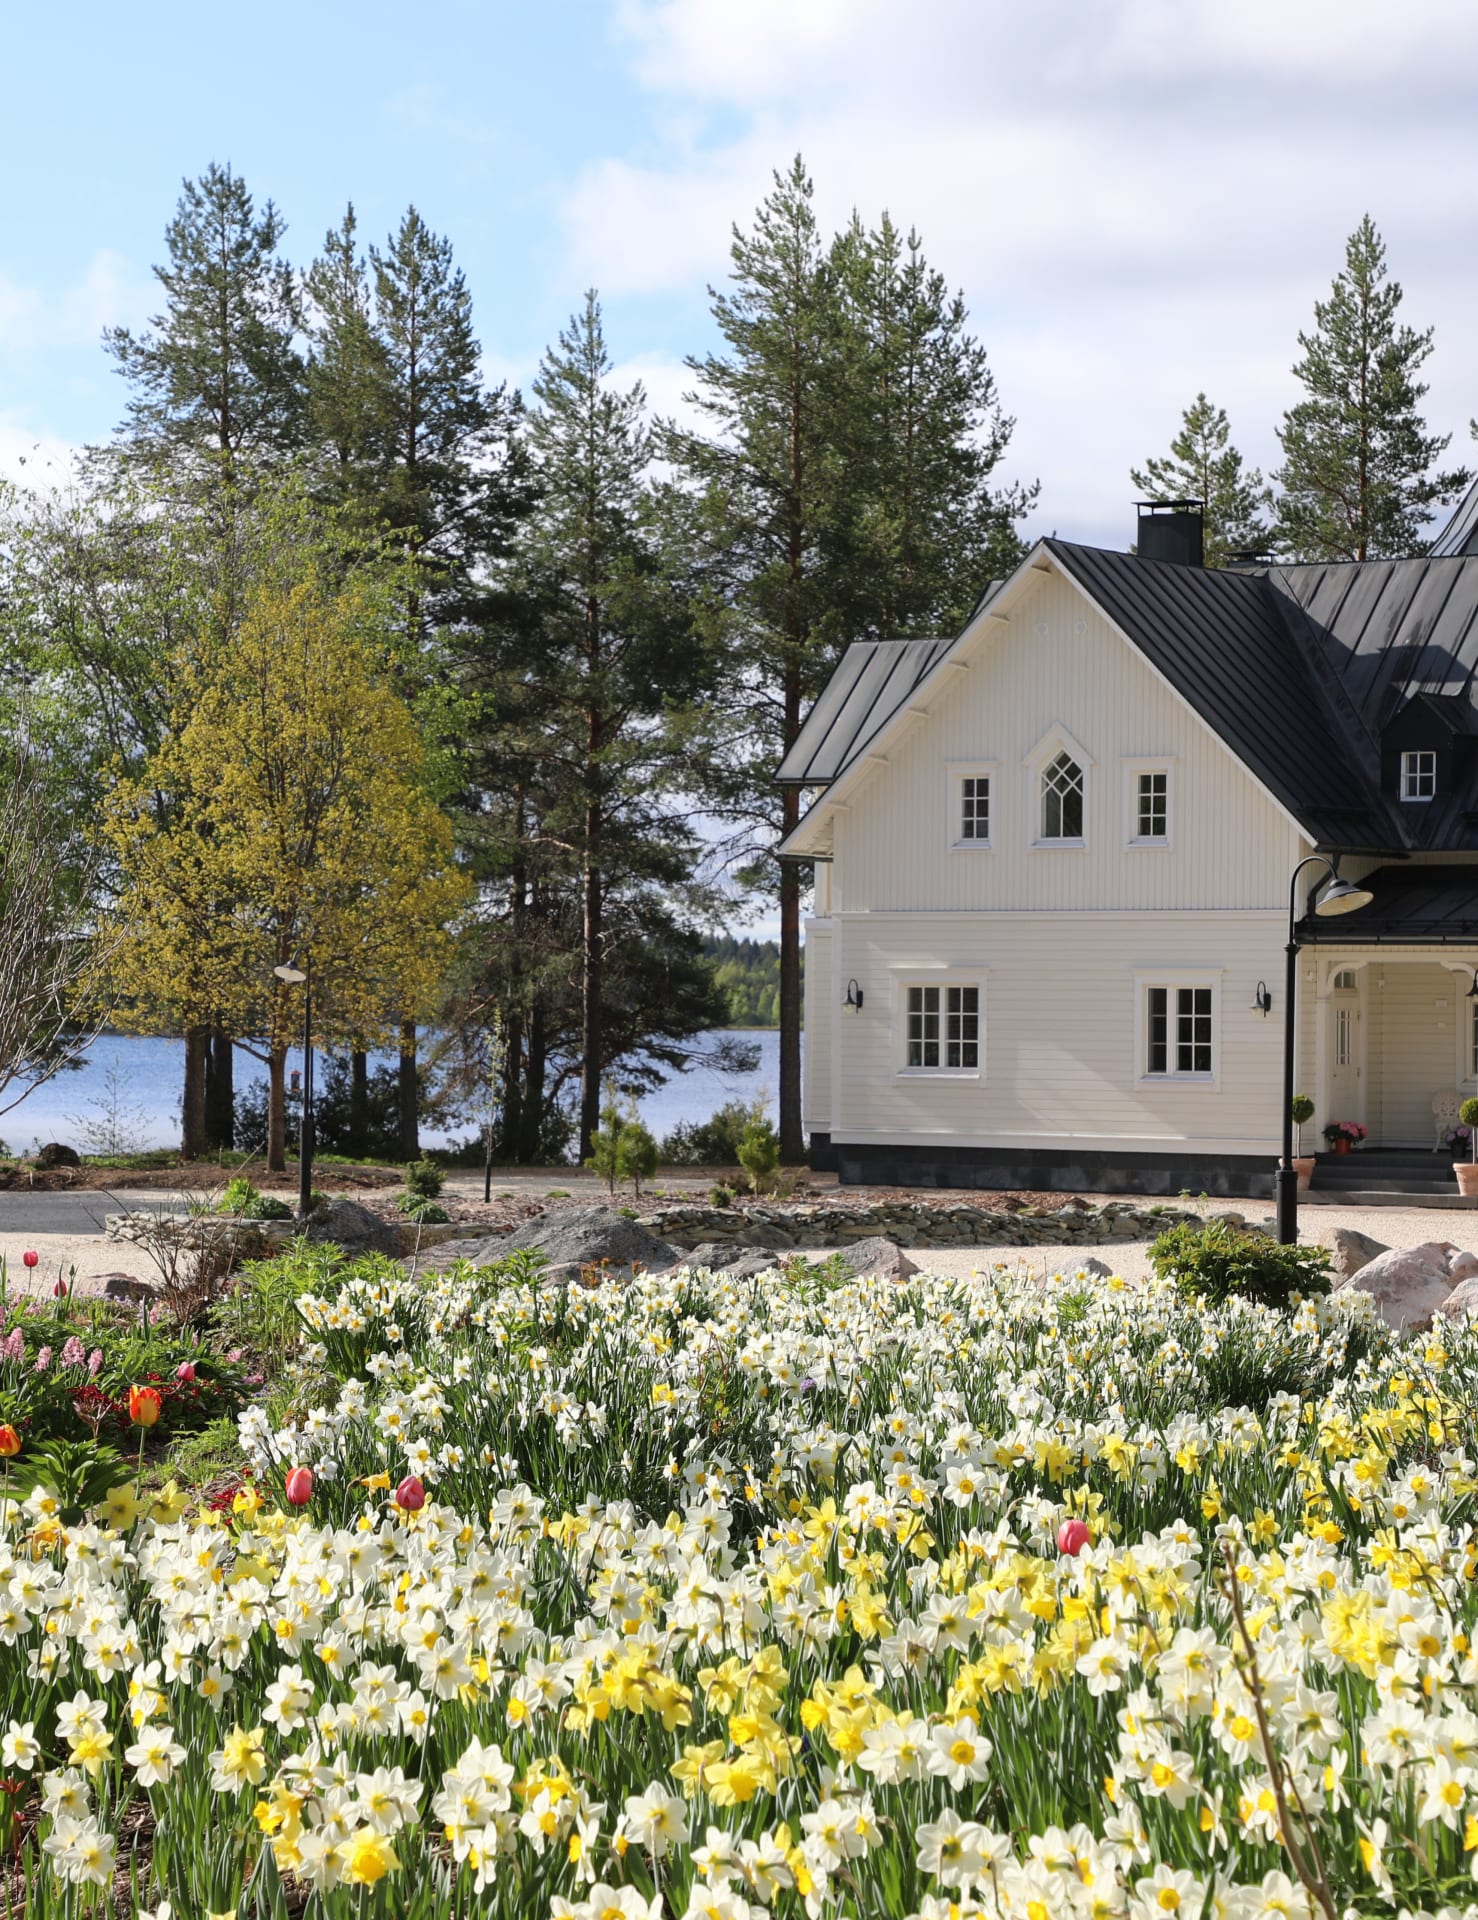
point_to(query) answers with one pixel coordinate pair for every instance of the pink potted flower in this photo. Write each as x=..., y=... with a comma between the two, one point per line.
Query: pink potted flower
x=1467, y=1170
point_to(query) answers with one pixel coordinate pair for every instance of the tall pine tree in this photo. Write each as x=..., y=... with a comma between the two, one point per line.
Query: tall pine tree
x=1203, y=465
x=1357, y=477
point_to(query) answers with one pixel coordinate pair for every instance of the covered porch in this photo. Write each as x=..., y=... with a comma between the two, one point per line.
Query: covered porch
x=1388, y=1023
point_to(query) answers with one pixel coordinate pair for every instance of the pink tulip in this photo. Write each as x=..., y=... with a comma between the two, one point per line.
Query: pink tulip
x=1072, y=1537
x=185, y=1370
x=410, y=1495
x=299, y=1487
x=31, y=1257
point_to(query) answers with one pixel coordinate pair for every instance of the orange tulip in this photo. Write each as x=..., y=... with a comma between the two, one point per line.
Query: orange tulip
x=299, y=1487
x=10, y=1443
x=144, y=1406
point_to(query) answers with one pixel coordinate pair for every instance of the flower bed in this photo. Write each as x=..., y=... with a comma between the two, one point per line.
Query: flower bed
x=876, y=1599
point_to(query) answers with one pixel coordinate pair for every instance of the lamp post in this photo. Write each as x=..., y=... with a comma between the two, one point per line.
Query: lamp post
x=1341, y=896
x=293, y=977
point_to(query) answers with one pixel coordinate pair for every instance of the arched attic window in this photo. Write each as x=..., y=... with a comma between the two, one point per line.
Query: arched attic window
x=1062, y=799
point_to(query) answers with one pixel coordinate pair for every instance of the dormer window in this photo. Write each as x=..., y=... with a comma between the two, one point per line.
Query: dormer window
x=1419, y=775
x=1062, y=800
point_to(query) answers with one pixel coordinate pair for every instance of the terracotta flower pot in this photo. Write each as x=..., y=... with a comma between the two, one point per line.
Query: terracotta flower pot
x=1467, y=1177
x=1304, y=1168
x=1343, y=1144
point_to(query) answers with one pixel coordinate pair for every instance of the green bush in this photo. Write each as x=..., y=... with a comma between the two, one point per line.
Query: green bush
x=1214, y=1262
x=425, y=1213
x=424, y=1180
x=713, y=1142
x=720, y=1196
x=759, y=1151
x=242, y=1199
x=623, y=1149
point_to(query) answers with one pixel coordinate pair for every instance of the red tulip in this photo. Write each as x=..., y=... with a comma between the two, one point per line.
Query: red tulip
x=59, y=1291
x=410, y=1495
x=185, y=1370
x=299, y=1487
x=144, y=1406
x=31, y=1257
x=1072, y=1537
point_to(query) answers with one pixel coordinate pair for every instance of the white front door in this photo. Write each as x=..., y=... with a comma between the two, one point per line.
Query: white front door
x=1347, y=1045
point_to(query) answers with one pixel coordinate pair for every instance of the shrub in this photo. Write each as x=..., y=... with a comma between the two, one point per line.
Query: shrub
x=720, y=1196
x=1214, y=1262
x=623, y=1149
x=713, y=1142
x=424, y=1180
x=242, y=1199
x=1301, y=1111
x=759, y=1151
x=425, y=1213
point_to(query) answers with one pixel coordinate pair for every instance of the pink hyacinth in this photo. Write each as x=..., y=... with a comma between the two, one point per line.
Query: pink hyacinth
x=73, y=1353
x=43, y=1360
x=94, y=1361
x=15, y=1347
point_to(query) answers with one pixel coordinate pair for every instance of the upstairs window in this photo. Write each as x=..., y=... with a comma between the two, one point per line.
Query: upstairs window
x=1062, y=801
x=975, y=809
x=1152, y=806
x=943, y=1033
x=1178, y=1029
x=1419, y=775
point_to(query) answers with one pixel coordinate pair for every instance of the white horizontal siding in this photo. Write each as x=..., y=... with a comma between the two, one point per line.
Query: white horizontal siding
x=1061, y=1035
x=1057, y=662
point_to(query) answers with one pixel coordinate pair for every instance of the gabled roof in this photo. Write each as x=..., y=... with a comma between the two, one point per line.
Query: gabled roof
x=1460, y=535
x=1297, y=669
x=873, y=679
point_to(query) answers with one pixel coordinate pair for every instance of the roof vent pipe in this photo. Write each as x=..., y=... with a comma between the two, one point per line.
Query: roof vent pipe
x=1173, y=531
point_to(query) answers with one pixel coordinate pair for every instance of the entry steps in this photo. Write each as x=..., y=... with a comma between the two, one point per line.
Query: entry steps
x=1390, y=1176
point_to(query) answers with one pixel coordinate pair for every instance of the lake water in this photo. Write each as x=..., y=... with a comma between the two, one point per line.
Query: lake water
x=146, y=1075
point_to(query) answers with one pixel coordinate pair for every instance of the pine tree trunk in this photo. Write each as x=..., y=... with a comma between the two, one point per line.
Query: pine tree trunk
x=407, y=1092
x=220, y=1091
x=511, y=1127
x=533, y=1091
x=277, y=1110
x=359, y=1113
x=193, y=1141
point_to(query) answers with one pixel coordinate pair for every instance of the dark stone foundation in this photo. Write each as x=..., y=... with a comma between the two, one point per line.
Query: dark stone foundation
x=1047, y=1170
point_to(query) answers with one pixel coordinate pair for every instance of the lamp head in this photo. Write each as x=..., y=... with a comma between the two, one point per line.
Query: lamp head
x=1342, y=896
x=291, y=976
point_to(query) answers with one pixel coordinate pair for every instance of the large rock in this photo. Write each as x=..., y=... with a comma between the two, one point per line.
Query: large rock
x=54, y=1154
x=878, y=1259
x=585, y=1236
x=1409, y=1284
x=1090, y=1268
x=1349, y=1250
x=715, y=1255
x=354, y=1227
x=1462, y=1301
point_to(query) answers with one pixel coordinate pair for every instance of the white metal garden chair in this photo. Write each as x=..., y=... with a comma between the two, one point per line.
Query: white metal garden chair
x=1444, y=1117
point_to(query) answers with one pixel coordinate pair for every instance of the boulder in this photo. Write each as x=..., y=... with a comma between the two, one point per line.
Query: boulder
x=715, y=1255
x=1409, y=1284
x=54, y=1154
x=1348, y=1249
x=123, y=1286
x=1090, y=1268
x=584, y=1236
x=1462, y=1301
x=353, y=1227
x=878, y=1259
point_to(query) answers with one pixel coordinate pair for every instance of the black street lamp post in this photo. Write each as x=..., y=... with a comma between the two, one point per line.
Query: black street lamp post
x=1341, y=896
x=293, y=977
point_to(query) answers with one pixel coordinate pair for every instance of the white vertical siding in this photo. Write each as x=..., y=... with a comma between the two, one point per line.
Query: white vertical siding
x=1057, y=662
x=820, y=1028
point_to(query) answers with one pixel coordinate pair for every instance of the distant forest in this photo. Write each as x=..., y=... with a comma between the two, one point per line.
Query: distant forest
x=747, y=973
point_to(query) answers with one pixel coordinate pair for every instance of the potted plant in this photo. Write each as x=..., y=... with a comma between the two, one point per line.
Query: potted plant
x=1302, y=1111
x=1467, y=1170
x=1341, y=1135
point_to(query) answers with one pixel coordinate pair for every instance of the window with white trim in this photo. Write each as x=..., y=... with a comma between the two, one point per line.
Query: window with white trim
x=1179, y=1032
x=1344, y=1036
x=1062, y=801
x=1344, y=981
x=1419, y=775
x=974, y=820
x=1152, y=806
x=942, y=1028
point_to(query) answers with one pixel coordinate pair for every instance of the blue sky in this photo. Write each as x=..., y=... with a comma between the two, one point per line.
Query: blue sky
x=1139, y=197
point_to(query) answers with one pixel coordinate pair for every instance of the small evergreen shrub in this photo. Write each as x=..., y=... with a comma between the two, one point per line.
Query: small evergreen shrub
x=425, y=1213
x=623, y=1149
x=242, y=1199
x=720, y=1196
x=759, y=1151
x=424, y=1180
x=1214, y=1262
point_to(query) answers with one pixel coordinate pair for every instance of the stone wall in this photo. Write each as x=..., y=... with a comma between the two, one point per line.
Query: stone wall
x=781, y=1226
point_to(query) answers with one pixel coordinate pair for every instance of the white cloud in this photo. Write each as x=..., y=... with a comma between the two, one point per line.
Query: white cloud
x=1140, y=198
x=36, y=460
x=109, y=292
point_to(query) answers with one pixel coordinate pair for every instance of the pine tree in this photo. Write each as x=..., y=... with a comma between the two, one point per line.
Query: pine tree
x=1203, y=465
x=349, y=382
x=599, y=664
x=1357, y=478
x=219, y=374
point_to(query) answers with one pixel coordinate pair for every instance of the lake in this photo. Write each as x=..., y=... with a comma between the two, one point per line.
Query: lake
x=143, y=1075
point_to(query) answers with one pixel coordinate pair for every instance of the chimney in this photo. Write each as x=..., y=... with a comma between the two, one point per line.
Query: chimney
x=1171, y=530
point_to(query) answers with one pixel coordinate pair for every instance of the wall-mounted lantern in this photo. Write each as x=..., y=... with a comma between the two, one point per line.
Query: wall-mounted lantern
x=1262, y=1000
x=854, y=997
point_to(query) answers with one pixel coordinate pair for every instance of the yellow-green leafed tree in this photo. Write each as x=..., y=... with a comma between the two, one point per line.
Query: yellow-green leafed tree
x=296, y=833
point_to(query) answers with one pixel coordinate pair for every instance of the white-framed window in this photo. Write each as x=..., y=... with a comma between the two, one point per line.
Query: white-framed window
x=1419, y=775
x=1062, y=802
x=972, y=794
x=943, y=1026
x=1178, y=1035
x=1148, y=803
x=1344, y=1036
x=1344, y=980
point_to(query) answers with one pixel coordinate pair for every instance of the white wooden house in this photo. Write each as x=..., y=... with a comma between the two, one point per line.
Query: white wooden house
x=1053, y=859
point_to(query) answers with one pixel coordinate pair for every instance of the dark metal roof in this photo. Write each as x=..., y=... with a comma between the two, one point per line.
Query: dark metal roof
x=1413, y=906
x=1460, y=535
x=1217, y=637
x=873, y=679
